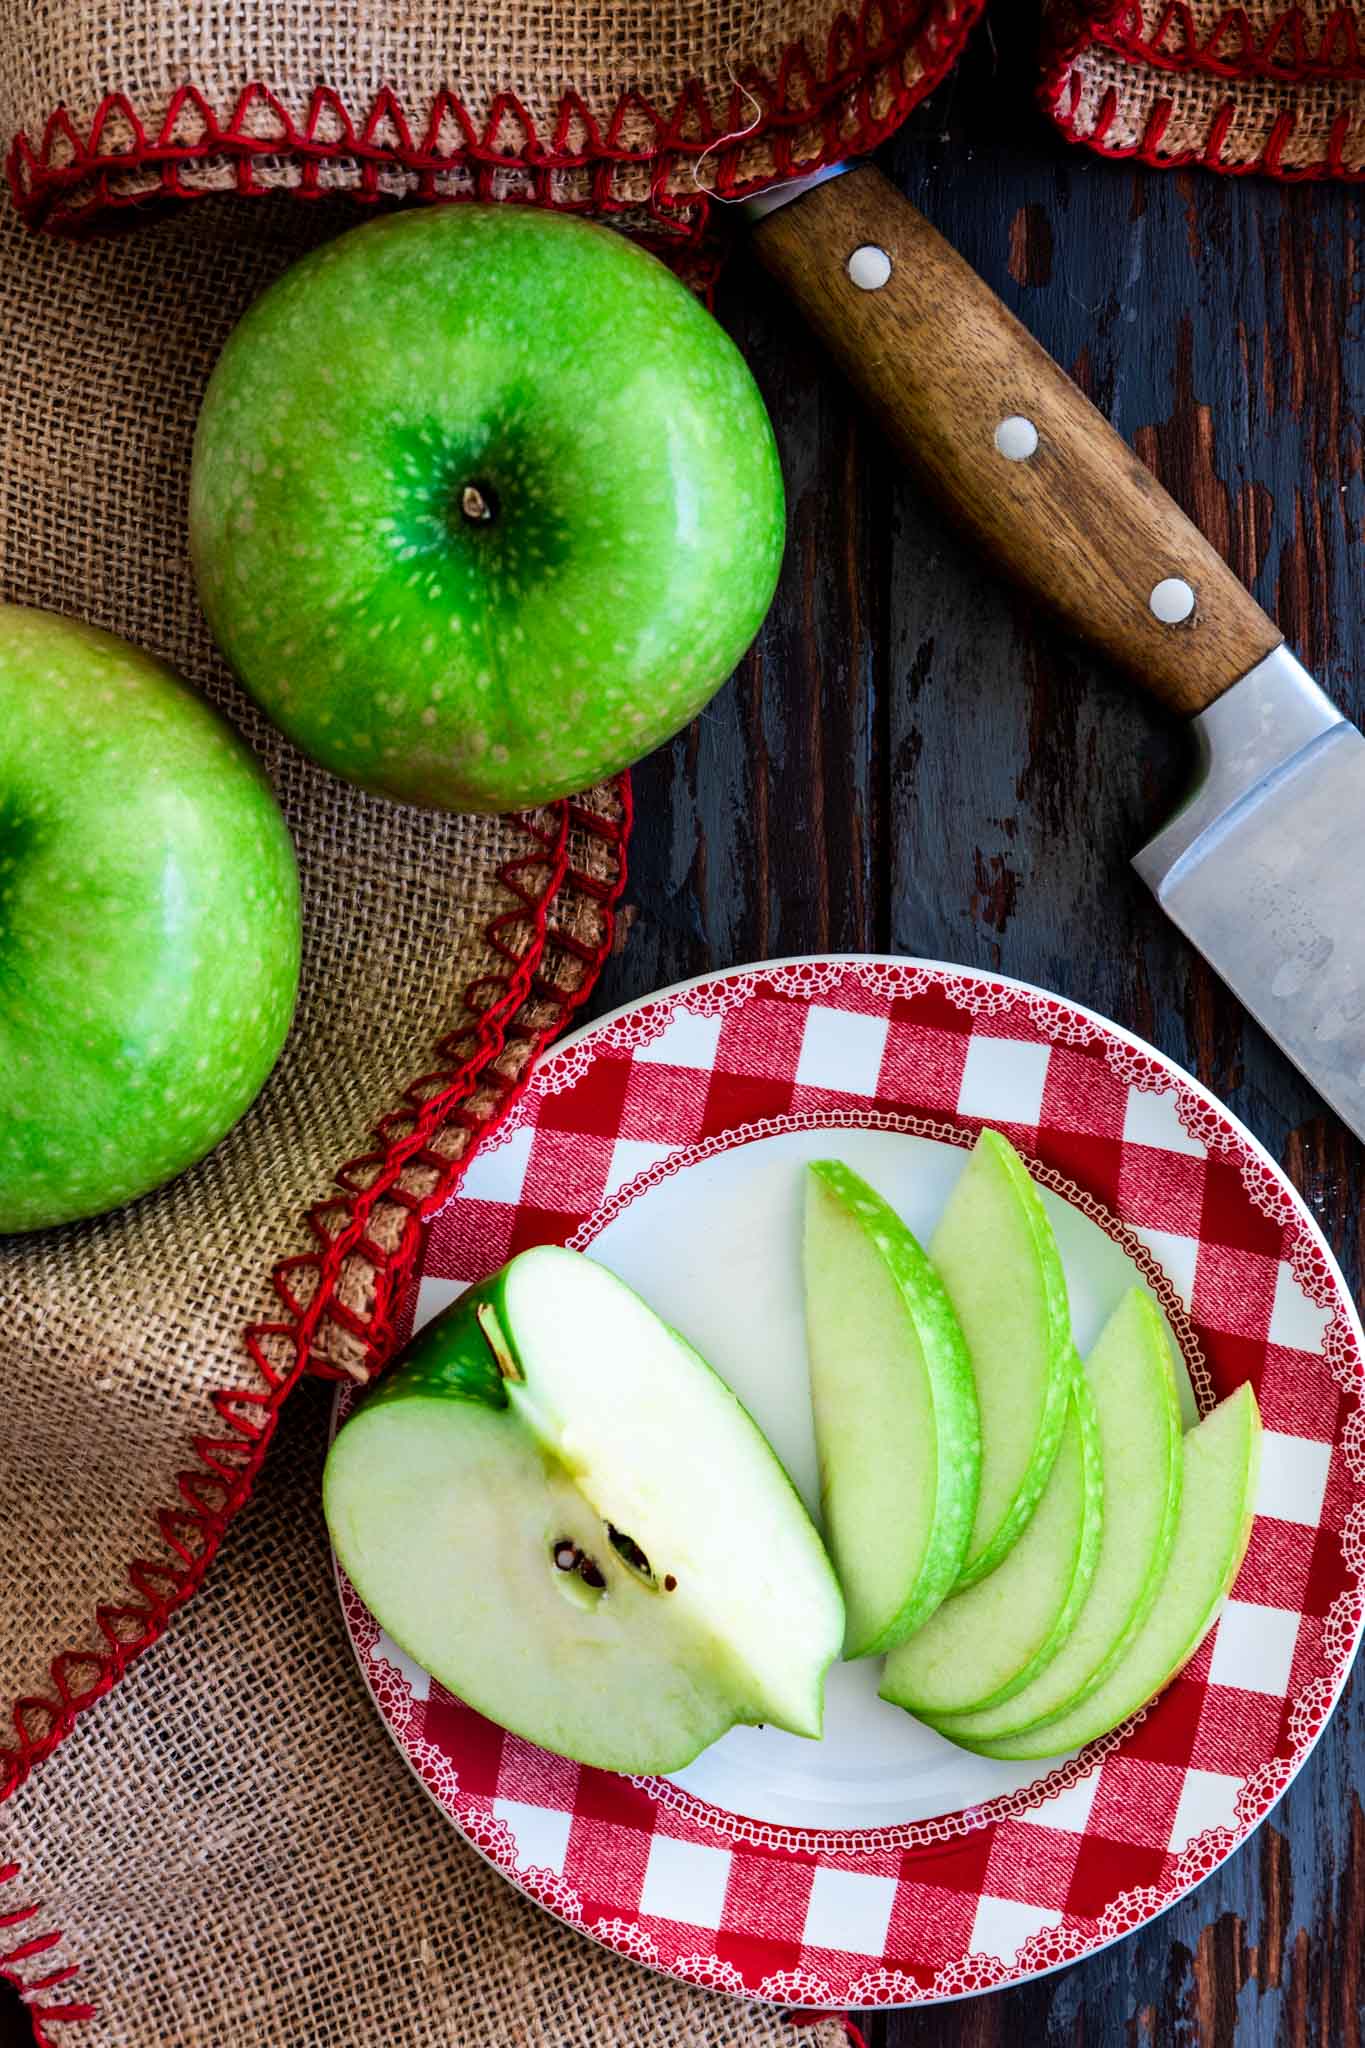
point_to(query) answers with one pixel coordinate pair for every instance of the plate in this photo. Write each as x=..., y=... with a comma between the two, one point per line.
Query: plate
x=882, y=1866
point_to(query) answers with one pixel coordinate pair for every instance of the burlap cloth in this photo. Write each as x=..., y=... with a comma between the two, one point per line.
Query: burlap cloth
x=636, y=105
x=641, y=107
x=1261, y=86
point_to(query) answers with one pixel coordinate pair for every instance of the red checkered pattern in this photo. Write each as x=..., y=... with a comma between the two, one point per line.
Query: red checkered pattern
x=965, y=1901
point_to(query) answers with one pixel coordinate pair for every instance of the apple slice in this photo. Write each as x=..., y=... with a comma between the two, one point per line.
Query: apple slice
x=556, y=1507
x=998, y=1259
x=1221, y=1460
x=989, y=1641
x=1132, y=1377
x=895, y=1411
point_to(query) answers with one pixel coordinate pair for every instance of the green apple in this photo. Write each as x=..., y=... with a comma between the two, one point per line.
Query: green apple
x=556, y=1507
x=997, y=1257
x=989, y=1641
x=895, y=1411
x=484, y=505
x=1133, y=1380
x=149, y=923
x=1221, y=1460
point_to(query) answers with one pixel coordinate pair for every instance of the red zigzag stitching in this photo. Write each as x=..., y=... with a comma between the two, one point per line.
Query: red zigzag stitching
x=1282, y=56
x=1231, y=48
x=576, y=169
x=213, y=1491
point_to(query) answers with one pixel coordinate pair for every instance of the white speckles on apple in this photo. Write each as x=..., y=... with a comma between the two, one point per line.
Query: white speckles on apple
x=113, y=998
x=582, y=443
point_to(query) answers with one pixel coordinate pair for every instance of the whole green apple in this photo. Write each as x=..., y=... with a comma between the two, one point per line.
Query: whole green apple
x=485, y=505
x=149, y=923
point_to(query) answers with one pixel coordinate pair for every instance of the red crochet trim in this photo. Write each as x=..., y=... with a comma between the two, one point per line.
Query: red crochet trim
x=1110, y=27
x=1231, y=48
x=575, y=169
x=211, y=1492
x=808, y=2017
x=27, y=1949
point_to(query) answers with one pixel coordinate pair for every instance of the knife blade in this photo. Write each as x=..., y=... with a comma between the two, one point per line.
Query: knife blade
x=1263, y=868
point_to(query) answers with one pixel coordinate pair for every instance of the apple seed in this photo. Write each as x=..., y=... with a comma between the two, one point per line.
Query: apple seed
x=630, y=1553
x=569, y=1558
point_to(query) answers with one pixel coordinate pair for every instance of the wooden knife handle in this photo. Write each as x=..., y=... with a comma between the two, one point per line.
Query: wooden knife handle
x=963, y=390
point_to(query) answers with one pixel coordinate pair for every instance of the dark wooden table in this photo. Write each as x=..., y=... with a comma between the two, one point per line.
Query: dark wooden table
x=912, y=761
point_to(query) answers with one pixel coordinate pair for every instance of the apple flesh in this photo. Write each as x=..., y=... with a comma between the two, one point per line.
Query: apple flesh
x=484, y=505
x=895, y=1411
x=987, y=1642
x=556, y=1507
x=1132, y=1376
x=149, y=923
x=1221, y=1460
x=998, y=1259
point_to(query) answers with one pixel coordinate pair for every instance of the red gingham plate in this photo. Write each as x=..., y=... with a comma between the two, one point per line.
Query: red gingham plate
x=882, y=1866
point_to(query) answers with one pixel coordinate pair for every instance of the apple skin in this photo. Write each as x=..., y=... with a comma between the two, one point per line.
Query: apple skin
x=619, y=438
x=894, y=1401
x=149, y=923
x=550, y=1410
x=997, y=1257
x=1221, y=1459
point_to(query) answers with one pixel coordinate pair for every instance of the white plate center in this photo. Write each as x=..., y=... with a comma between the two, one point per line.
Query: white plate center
x=716, y=1249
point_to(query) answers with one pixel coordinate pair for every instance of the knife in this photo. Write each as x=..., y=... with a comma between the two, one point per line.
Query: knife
x=1263, y=867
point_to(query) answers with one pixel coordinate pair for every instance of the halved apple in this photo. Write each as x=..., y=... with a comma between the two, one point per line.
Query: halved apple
x=1221, y=1461
x=998, y=1259
x=987, y=1642
x=895, y=1410
x=558, y=1508
x=1132, y=1377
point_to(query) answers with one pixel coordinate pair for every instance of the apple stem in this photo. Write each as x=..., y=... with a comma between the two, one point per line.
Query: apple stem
x=479, y=504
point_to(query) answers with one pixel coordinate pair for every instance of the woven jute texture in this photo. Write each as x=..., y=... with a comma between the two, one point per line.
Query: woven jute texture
x=244, y=1861
x=645, y=105
x=225, y=1850
x=1261, y=86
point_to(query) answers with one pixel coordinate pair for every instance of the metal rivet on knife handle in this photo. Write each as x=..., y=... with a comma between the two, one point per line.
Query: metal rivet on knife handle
x=1016, y=438
x=1261, y=867
x=1080, y=523
x=1172, y=601
x=869, y=267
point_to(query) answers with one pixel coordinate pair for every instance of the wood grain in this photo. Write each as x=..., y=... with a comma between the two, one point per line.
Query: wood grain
x=1081, y=524
x=913, y=759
